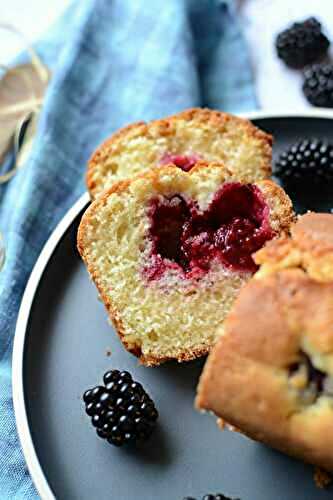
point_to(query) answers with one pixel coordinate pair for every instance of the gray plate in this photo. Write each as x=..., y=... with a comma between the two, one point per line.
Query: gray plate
x=61, y=348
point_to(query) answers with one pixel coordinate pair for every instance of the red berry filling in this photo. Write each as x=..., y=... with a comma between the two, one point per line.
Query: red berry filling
x=234, y=226
x=185, y=162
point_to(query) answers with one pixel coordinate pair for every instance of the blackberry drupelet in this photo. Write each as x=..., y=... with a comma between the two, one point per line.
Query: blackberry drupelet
x=306, y=164
x=302, y=43
x=318, y=85
x=121, y=410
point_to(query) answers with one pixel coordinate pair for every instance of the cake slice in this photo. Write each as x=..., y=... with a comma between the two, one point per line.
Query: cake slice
x=182, y=140
x=169, y=251
x=270, y=374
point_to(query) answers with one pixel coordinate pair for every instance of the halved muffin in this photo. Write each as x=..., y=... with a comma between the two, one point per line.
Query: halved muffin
x=182, y=139
x=169, y=251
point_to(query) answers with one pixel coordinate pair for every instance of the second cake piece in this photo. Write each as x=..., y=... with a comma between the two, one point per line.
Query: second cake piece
x=169, y=251
x=271, y=373
x=182, y=140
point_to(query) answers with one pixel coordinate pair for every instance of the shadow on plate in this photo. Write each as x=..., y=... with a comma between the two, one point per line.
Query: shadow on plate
x=156, y=451
x=184, y=375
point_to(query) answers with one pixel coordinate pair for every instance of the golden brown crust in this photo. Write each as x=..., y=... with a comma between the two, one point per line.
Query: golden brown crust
x=246, y=379
x=310, y=248
x=183, y=357
x=217, y=119
x=268, y=187
x=314, y=232
x=282, y=214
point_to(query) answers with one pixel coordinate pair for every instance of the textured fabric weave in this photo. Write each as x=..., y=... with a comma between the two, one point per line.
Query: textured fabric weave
x=113, y=62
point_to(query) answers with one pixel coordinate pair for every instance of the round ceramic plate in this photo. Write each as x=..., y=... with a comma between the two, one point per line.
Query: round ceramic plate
x=64, y=344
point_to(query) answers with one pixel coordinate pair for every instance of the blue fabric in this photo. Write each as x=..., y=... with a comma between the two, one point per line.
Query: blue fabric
x=113, y=62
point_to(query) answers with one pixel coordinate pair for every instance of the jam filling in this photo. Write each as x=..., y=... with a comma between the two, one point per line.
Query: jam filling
x=185, y=162
x=231, y=229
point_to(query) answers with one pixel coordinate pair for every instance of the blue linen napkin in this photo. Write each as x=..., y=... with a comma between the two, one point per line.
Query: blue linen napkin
x=113, y=62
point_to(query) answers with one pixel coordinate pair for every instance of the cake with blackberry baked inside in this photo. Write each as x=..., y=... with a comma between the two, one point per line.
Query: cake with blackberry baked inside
x=270, y=374
x=169, y=250
x=182, y=140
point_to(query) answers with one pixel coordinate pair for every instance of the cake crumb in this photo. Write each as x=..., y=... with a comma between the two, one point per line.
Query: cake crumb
x=108, y=352
x=322, y=478
x=221, y=423
x=232, y=428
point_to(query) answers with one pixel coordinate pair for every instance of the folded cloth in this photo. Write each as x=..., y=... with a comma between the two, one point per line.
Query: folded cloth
x=113, y=62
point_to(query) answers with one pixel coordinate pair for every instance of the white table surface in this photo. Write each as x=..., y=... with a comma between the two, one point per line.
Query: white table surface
x=31, y=17
x=276, y=86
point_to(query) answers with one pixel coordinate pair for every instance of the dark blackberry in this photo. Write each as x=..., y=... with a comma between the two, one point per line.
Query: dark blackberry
x=302, y=43
x=306, y=164
x=121, y=411
x=318, y=85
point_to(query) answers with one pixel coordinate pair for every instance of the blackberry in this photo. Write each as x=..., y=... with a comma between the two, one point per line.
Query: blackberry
x=305, y=164
x=318, y=85
x=120, y=410
x=302, y=43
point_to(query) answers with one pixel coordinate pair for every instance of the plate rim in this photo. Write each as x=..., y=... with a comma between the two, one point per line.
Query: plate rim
x=34, y=466
x=21, y=418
